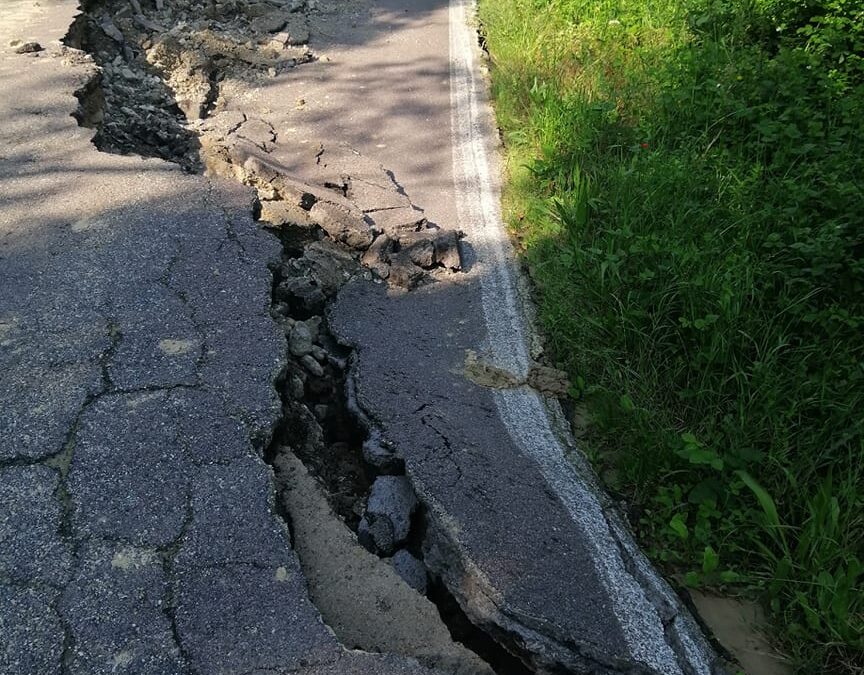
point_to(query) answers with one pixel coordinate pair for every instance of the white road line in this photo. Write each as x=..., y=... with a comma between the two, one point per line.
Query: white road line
x=476, y=176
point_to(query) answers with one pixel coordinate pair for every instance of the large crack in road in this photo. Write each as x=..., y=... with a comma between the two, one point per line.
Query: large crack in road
x=157, y=94
x=422, y=524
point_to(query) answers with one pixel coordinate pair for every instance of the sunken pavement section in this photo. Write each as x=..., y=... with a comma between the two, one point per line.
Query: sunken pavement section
x=210, y=423
x=138, y=529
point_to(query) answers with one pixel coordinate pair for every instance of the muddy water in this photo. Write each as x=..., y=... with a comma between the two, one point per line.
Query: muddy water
x=741, y=627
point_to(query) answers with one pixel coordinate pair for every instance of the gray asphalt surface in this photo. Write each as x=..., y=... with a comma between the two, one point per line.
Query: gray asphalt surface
x=462, y=462
x=525, y=539
x=137, y=359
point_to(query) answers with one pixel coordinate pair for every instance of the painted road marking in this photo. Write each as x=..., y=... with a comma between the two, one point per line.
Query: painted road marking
x=476, y=176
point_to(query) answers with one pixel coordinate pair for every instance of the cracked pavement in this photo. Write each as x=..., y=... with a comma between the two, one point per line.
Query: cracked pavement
x=137, y=356
x=139, y=528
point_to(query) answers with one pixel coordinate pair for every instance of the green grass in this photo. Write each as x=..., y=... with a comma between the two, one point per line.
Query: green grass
x=685, y=182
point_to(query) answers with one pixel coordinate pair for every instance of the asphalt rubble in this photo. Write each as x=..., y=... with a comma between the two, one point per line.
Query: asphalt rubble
x=165, y=70
x=162, y=70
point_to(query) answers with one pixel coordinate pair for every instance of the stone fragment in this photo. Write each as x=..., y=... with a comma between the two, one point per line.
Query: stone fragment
x=343, y=224
x=412, y=570
x=377, y=256
x=255, y=168
x=381, y=457
x=301, y=294
x=309, y=436
x=146, y=24
x=298, y=31
x=296, y=388
x=419, y=247
x=300, y=339
x=290, y=190
x=28, y=48
x=310, y=364
x=269, y=23
x=111, y=30
x=387, y=520
x=280, y=311
x=190, y=74
x=329, y=265
x=314, y=325
x=319, y=353
x=279, y=40
x=254, y=10
x=376, y=537
x=447, y=249
x=403, y=271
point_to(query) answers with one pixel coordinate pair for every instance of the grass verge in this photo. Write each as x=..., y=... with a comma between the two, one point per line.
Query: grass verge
x=685, y=183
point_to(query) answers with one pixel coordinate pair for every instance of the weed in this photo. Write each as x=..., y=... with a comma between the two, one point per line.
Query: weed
x=686, y=183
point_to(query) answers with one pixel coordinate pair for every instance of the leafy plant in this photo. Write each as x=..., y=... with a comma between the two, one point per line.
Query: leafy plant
x=686, y=185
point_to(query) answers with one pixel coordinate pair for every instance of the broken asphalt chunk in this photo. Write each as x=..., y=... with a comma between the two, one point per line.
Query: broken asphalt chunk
x=396, y=221
x=343, y=224
x=377, y=257
x=387, y=520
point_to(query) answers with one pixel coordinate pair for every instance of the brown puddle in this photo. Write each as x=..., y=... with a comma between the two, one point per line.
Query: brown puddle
x=740, y=627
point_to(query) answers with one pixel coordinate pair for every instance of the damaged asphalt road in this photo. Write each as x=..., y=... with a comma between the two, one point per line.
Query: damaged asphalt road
x=267, y=398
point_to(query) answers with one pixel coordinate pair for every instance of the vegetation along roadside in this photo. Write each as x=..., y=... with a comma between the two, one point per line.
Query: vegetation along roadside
x=686, y=184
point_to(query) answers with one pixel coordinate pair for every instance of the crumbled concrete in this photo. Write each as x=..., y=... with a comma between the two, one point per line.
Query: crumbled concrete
x=281, y=213
x=361, y=597
x=387, y=519
x=404, y=272
x=28, y=48
x=419, y=248
x=447, y=251
x=398, y=246
x=395, y=221
x=342, y=224
x=377, y=257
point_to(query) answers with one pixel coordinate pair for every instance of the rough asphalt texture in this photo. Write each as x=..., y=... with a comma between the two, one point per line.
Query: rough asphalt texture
x=138, y=530
x=137, y=354
x=513, y=528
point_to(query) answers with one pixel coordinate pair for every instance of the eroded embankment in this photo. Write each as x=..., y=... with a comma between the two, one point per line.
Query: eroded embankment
x=165, y=71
